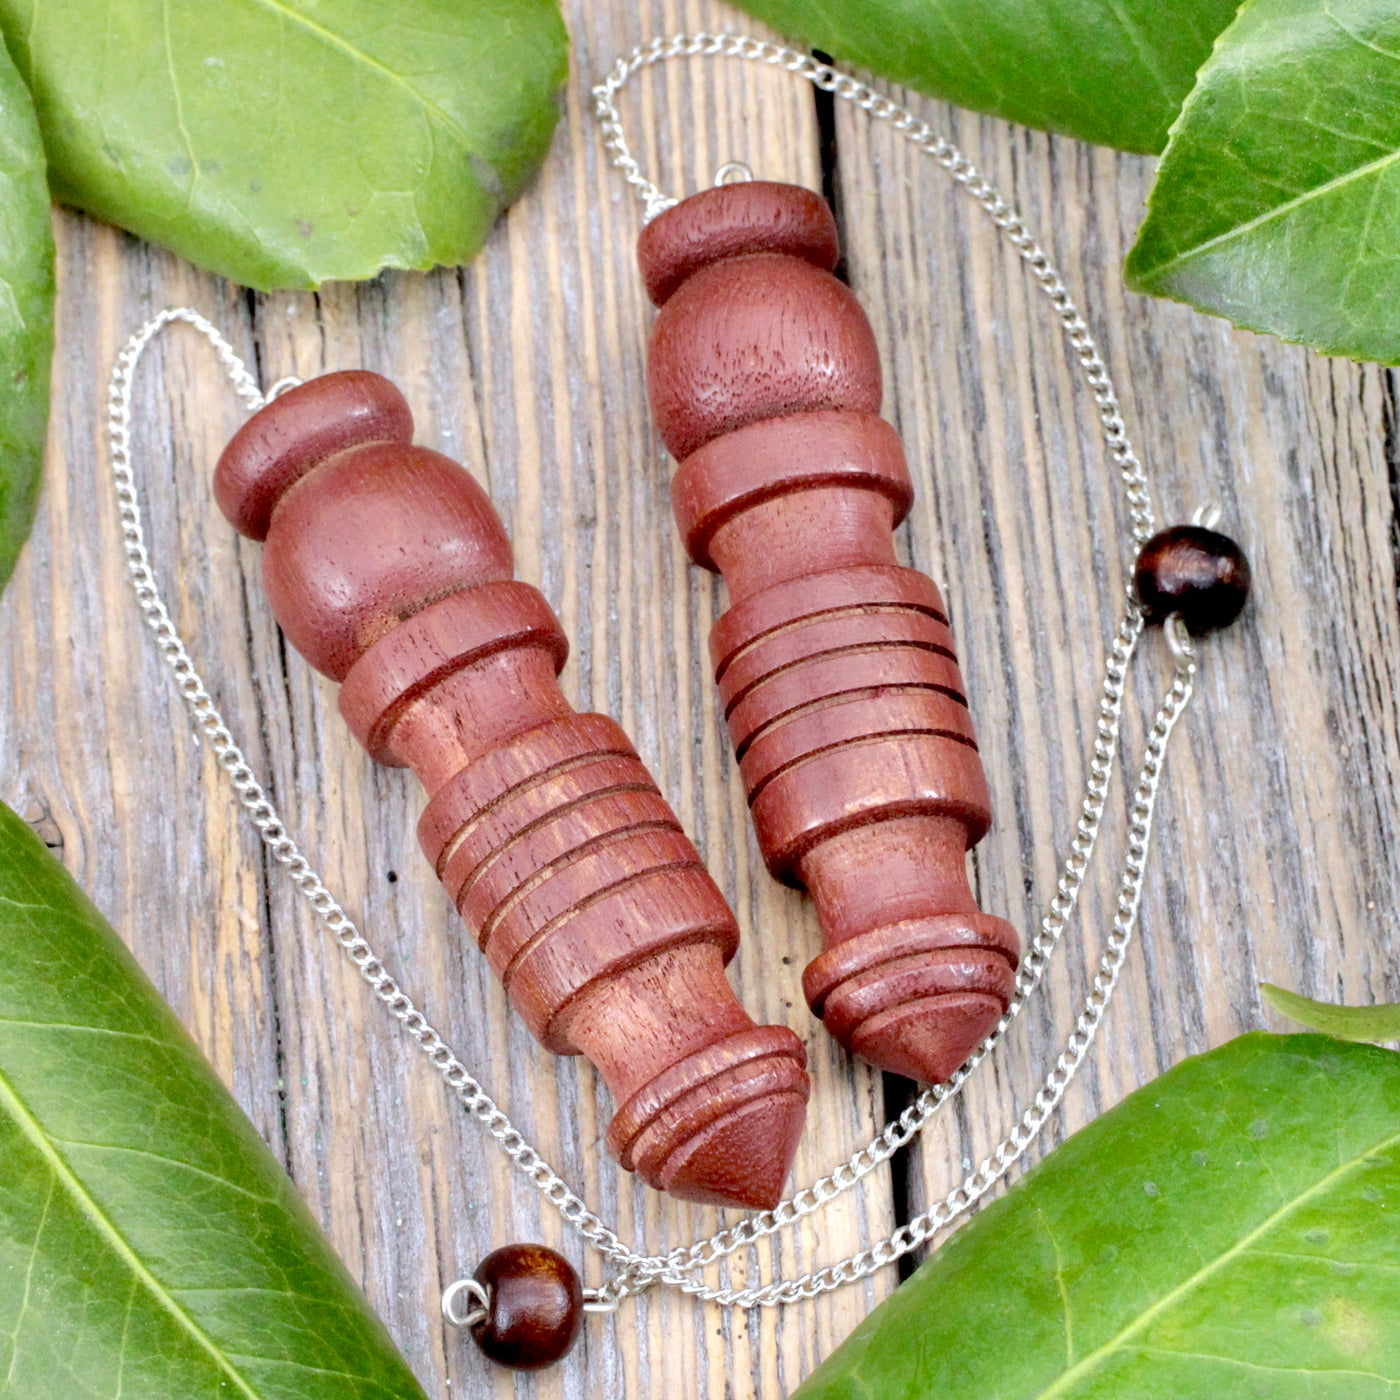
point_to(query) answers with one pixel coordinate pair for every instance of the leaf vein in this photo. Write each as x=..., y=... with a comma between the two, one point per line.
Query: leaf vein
x=29, y=1279
x=1241, y=1246
x=83, y=1030
x=31, y=1128
x=1389, y=1381
x=167, y=1161
x=1356, y=38
x=1145, y=52
x=1278, y=211
x=329, y=36
x=179, y=107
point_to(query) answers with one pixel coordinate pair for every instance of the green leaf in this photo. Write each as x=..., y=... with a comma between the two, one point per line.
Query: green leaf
x=1277, y=204
x=284, y=142
x=1345, y=1022
x=150, y=1244
x=1229, y=1232
x=1110, y=71
x=26, y=313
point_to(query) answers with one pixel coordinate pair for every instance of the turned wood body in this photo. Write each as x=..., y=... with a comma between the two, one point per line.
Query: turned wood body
x=390, y=571
x=840, y=683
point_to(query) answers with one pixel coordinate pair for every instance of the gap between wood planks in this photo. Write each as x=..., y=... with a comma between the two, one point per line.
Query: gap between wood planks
x=1390, y=420
x=899, y=1093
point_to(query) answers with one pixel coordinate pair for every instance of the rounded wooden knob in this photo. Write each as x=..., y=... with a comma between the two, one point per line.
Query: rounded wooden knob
x=373, y=538
x=299, y=430
x=758, y=216
x=370, y=530
x=754, y=337
x=389, y=570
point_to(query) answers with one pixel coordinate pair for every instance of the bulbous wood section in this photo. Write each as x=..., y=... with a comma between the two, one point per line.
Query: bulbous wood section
x=840, y=683
x=390, y=571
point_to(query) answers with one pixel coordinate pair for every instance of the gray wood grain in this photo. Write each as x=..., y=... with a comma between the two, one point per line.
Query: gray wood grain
x=1276, y=853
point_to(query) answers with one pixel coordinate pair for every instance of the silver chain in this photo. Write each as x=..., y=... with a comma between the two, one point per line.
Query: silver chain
x=960, y=170
x=683, y=1267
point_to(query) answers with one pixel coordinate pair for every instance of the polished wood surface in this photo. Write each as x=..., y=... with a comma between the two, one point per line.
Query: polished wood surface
x=389, y=570
x=841, y=688
x=1197, y=574
x=1277, y=854
x=534, y=1311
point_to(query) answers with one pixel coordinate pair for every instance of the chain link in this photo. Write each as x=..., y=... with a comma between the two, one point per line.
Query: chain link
x=960, y=170
x=683, y=1267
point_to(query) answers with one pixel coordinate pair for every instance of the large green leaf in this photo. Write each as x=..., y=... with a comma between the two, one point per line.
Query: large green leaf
x=1278, y=199
x=1111, y=71
x=1230, y=1232
x=284, y=142
x=26, y=312
x=150, y=1245
x=1380, y=1022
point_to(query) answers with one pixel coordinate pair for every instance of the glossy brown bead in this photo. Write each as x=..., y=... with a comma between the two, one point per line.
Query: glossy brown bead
x=1199, y=574
x=536, y=1307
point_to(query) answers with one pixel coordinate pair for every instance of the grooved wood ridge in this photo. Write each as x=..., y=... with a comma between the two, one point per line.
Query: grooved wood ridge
x=1277, y=853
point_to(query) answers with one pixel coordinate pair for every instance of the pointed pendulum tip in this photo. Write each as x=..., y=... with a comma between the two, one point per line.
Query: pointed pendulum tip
x=930, y=1039
x=917, y=998
x=722, y=1126
x=742, y=1160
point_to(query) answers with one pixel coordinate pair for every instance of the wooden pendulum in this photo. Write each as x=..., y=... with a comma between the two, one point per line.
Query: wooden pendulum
x=390, y=571
x=840, y=685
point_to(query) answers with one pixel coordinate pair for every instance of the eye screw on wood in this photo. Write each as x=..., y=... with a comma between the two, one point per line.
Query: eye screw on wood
x=733, y=172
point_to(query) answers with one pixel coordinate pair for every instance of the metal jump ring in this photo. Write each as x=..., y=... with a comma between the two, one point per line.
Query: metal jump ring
x=1179, y=640
x=733, y=172
x=1207, y=515
x=481, y=1299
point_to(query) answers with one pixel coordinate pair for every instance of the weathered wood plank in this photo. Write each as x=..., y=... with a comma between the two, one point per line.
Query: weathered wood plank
x=529, y=368
x=1276, y=852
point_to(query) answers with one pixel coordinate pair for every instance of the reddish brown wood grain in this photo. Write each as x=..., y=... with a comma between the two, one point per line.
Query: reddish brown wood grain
x=841, y=687
x=730, y=220
x=390, y=571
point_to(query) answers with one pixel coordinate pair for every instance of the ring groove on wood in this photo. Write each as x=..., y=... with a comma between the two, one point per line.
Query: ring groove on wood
x=826, y=596
x=546, y=899
x=839, y=680
x=574, y=821
x=831, y=699
x=388, y=567
x=457, y=631
x=537, y=758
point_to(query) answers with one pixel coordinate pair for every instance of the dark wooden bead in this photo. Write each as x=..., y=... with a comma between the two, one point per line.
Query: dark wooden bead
x=389, y=570
x=756, y=337
x=840, y=682
x=1197, y=573
x=759, y=216
x=535, y=1312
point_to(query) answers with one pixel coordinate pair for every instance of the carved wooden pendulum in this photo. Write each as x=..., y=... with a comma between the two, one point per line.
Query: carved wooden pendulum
x=840, y=684
x=390, y=571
